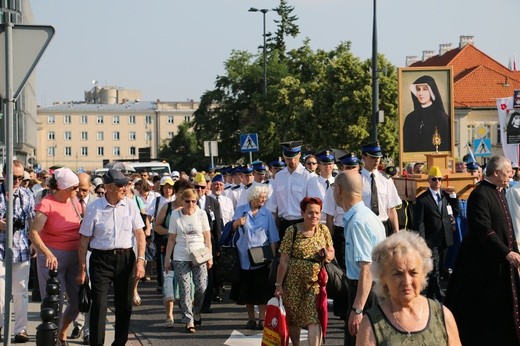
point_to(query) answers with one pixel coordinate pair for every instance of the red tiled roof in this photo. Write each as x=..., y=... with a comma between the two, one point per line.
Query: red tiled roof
x=478, y=79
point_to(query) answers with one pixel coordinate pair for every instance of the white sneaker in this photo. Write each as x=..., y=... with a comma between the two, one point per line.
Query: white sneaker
x=168, y=324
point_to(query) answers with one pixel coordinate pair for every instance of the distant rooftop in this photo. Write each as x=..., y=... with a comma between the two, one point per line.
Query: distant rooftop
x=132, y=106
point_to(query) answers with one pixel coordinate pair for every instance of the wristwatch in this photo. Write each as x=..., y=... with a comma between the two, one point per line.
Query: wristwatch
x=357, y=311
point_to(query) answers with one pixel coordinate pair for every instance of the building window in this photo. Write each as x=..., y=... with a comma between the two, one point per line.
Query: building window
x=66, y=119
x=471, y=133
x=170, y=119
x=84, y=119
x=51, y=136
x=148, y=135
x=99, y=119
x=84, y=151
x=67, y=135
x=499, y=135
x=84, y=135
x=115, y=135
x=115, y=119
x=131, y=119
x=51, y=119
x=51, y=151
x=116, y=151
x=131, y=136
x=187, y=118
x=148, y=119
x=132, y=151
x=101, y=151
x=170, y=134
x=67, y=151
x=100, y=135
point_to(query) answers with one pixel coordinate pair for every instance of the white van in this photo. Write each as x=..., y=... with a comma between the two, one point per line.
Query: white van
x=159, y=167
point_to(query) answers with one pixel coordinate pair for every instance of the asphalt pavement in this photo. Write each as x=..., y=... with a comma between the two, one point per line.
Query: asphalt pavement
x=224, y=326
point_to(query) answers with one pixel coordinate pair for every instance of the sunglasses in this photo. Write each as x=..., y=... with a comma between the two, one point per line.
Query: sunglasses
x=311, y=163
x=17, y=177
x=197, y=187
x=436, y=179
x=190, y=201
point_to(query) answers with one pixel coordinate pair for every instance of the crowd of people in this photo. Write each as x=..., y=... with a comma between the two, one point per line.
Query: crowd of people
x=111, y=232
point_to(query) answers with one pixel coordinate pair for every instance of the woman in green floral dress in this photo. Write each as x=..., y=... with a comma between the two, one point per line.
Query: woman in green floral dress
x=303, y=249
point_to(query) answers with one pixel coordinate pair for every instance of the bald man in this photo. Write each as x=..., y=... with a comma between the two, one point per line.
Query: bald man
x=363, y=231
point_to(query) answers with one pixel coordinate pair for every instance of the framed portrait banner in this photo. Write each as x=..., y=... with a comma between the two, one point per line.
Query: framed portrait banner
x=426, y=112
x=513, y=127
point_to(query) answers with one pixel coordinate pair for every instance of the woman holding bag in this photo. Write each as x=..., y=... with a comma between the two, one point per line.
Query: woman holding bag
x=256, y=228
x=189, y=232
x=303, y=249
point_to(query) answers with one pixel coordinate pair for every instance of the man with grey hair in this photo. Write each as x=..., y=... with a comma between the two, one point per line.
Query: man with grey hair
x=485, y=279
x=363, y=231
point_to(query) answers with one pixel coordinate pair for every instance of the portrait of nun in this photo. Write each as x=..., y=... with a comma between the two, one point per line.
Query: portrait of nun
x=428, y=115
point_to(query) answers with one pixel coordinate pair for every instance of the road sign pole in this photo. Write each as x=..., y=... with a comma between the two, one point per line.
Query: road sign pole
x=8, y=256
x=251, y=157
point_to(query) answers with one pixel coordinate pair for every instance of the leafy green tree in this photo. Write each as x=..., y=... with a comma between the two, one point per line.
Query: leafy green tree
x=286, y=26
x=183, y=152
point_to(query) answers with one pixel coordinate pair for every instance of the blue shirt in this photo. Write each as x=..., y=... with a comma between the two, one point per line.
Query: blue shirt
x=363, y=231
x=23, y=209
x=258, y=230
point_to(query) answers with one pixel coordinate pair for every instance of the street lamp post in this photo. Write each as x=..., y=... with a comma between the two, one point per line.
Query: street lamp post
x=375, y=78
x=264, y=11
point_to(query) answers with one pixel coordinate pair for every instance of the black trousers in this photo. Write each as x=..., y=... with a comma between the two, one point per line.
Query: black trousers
x=338, y=239
x=352, y=291
x=104, y=269
x=433, y=290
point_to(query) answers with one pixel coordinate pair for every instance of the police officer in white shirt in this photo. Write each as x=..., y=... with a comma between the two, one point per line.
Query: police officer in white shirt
x=291, y=186
x=379, y=192
x=325, y=179
x=334, y=221
x=226, y=205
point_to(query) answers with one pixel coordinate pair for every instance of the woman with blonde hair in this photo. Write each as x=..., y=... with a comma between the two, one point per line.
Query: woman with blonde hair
x=400, y=266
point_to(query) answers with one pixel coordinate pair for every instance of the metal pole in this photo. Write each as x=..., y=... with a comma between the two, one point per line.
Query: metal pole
x=375, y=79
x=9, y=111
x=264, y=11
x=251, y=157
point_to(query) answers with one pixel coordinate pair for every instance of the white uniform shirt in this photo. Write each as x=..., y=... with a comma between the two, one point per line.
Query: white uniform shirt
x=226, y=207
x=289, y=189
x=387, y=195
x=111, y=226
x=322, y=187
x=330, y=207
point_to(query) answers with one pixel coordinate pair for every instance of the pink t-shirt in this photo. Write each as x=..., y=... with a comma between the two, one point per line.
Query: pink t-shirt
x=61, y=231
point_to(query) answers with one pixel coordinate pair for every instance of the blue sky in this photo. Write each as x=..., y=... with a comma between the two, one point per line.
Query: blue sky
x=173, y=49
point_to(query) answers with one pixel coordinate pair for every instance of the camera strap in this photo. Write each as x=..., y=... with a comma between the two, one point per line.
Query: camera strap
x=2, y=190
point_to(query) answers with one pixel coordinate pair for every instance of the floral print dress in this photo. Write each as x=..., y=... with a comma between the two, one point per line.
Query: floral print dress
x=300, y=287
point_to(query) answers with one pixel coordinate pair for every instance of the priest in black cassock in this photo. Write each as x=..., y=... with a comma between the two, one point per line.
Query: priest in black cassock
x=483, y=290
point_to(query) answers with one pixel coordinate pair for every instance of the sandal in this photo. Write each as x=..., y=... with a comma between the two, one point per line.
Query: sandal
x=137, y=300
x=190, y=329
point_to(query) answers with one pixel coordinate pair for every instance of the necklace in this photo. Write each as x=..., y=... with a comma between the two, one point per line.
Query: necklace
x=401, y=326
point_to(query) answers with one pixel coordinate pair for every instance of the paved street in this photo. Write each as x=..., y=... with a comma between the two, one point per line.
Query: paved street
x=225, y=326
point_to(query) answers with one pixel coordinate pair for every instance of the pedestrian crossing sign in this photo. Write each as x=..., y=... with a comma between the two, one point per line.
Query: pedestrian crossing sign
x=249, y=142
x=482, y=147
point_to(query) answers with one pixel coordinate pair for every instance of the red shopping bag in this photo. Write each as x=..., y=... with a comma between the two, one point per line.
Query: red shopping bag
x=276, y=332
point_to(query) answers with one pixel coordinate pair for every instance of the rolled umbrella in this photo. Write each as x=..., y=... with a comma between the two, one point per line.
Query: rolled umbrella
x=321, y=301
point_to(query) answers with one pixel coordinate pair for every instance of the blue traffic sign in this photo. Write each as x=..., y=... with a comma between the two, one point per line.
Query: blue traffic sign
x=482, y=147
x=249, y=142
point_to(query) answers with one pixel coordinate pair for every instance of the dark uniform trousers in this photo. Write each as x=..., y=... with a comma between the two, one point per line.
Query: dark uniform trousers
x=338, y=239
x=107, y=267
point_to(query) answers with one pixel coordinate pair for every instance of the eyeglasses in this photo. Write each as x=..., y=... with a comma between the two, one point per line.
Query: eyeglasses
x=436, y=179
x=311, y=163
x=197, y=187
x=17, y=177
x=190, y=201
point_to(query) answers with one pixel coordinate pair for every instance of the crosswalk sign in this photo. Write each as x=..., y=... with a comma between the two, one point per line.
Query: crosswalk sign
x=482, y=147
x=249, y=142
